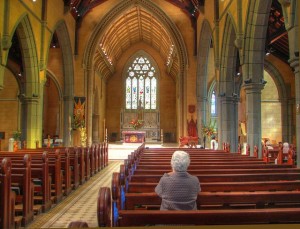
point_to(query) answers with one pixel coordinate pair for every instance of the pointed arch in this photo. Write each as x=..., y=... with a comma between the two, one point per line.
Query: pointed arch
x=227, y=102
x=284, y=99
x=178, y=41
x=255, y=39
x=31, y=101
x=205, y=42
x=68, y=71
x=29, y=55
x=253, y=67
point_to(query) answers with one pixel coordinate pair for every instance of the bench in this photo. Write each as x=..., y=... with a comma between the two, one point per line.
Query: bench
x=21, y=183
x=54, y=168
x=241, y=177
x=39, y=174
x=126, y=218
x=7, y=197
x=218, y=200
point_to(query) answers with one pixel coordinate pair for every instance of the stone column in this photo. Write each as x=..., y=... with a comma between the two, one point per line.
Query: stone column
x=30, y=119
x=67, y=120
x=95, y=128
x=228, y=119
x=2, y=67
x=284, y=112
x=295, y=64
x=89, y=104
x=253, y=115
x=201, y=116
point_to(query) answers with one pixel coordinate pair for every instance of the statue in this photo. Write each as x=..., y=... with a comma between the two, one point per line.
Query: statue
x=192, y=127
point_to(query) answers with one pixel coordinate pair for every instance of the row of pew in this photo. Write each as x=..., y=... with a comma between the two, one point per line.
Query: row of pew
x=236, y=189
x=35, y=180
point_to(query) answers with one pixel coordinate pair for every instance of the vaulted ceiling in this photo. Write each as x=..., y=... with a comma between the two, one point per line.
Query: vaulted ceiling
x=139, y=25
x=133, y=26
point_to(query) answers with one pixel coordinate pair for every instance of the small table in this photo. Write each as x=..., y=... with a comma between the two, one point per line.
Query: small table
x=134, y=136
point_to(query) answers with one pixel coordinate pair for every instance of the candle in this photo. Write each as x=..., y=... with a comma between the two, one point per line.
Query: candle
x=69, y=121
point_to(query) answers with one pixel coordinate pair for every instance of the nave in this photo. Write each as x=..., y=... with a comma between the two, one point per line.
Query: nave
x=81, y=204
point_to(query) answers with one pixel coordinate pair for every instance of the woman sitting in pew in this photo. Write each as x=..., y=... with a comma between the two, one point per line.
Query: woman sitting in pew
x=178, y=189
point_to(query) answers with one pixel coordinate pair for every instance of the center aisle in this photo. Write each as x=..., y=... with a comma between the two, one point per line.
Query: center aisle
x=81, y=204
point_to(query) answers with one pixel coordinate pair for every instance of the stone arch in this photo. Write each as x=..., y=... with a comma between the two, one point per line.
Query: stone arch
x=68, y=71
x=206, y=37
x=53, y=79
x=227, y=100
x=253, y=66
x=178, y=42
x=284, y=99
x=255, y=39
x=31, y=98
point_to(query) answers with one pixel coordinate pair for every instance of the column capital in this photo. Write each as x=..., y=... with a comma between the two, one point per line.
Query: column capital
x=294, y=63
x=28, y=99
x=253, y=87
x=68, y=98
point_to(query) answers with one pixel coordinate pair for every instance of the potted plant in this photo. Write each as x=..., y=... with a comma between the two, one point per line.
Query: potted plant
x=17, y=139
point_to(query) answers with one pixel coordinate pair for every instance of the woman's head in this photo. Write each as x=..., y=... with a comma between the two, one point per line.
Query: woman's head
x=180, y=161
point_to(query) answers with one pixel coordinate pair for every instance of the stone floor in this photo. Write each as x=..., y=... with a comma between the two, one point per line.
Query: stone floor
x=81, y=204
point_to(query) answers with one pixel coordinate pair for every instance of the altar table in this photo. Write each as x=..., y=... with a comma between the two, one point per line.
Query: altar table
x=134, y=136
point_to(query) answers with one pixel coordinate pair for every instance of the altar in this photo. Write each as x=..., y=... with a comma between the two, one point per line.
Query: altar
x=133, y=136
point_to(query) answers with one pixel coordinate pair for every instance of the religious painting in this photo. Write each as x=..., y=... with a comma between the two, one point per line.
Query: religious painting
x=79, y=112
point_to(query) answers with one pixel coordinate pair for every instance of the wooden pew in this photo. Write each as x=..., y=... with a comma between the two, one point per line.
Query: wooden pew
x=218, y=200
x=126, y=218
x=66, y=167
x=21, y=181
x=55, y=170
x=219, y=171
x=7, y=197
x=242, y=177
x=138, y=187
x=39, y=172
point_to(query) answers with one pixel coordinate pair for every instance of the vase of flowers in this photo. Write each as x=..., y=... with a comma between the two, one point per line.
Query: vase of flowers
x=136, y=123
x=17, y=139
x=207, y=131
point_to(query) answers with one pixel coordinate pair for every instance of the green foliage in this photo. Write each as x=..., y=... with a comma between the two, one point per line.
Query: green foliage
x=17, y=135
x=209, y=129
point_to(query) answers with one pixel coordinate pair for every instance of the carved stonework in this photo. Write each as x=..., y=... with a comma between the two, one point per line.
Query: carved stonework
x=151, y=123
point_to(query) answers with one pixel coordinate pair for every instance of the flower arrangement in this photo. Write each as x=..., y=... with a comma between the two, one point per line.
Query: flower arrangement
x=78, y=122
x=136, y=123
x=17, y=135
x=208, y=130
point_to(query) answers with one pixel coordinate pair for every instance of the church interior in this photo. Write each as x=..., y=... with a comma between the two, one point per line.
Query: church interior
x=103, y=80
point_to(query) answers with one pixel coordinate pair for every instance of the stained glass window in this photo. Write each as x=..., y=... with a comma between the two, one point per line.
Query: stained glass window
x=141, y=85
x=213, y=106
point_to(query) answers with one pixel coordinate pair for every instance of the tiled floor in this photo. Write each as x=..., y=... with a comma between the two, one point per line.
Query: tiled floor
x=80, y=204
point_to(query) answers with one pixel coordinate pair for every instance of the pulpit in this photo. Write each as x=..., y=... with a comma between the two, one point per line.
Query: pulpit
x=134, y=136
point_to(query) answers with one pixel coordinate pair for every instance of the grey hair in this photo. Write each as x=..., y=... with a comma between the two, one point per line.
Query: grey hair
x=180, y=161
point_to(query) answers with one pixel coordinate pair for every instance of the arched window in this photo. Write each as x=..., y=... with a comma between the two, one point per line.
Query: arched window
x=213, y=104
x=141, y=85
